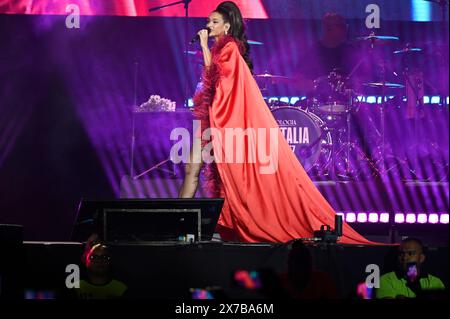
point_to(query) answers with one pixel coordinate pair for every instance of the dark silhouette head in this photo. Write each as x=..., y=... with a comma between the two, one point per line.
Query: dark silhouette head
x=299, y=265
x=334, y=29
x=98, y=260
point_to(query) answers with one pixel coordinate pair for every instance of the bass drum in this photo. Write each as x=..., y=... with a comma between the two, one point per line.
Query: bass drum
x=307, y=135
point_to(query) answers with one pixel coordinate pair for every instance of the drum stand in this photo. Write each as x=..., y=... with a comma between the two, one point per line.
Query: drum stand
x=346, y=149
x=379, y=165
x=381, y=162
x=417, y=106
x=414, y=96
x=382, y=169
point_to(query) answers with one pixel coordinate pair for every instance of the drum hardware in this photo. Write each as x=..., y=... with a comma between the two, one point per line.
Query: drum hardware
x=383, y=85
x=414, y=87
x=330, y=94
x=425, y=153
x=334, y=103
x=349, y=173
x=320, y=157
x=414, y=99
x=339, y=101
x=344, y=148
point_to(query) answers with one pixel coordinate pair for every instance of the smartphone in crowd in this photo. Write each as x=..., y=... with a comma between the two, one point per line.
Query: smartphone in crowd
x=248, y=279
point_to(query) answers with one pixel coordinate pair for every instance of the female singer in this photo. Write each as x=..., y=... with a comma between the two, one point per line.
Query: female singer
x=267, y=199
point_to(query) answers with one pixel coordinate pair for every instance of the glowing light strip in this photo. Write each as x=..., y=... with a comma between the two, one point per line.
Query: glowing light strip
x=371, y=99
x=399, y=217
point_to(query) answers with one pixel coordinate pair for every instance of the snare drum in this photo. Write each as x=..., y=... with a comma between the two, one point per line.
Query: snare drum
x=307, y=135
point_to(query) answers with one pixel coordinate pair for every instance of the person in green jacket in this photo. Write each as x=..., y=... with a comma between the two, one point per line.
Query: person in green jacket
x=410, y=280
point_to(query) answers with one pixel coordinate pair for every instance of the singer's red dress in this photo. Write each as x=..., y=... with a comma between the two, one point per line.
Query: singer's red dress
x=274, y=207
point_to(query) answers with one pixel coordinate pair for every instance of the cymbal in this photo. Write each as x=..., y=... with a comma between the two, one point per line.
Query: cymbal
x=408, y=50
x=378, y=39
x=387, y=85
x=267, y=77
x=271, y=76
x=253, y=42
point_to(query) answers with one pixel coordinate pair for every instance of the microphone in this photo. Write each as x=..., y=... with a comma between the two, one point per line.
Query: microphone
x=197, y=37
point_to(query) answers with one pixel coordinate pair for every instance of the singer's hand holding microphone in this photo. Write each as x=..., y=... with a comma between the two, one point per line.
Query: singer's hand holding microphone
x=201, y=36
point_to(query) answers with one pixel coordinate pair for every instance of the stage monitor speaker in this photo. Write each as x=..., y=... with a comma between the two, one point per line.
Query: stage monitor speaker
x=147, y=220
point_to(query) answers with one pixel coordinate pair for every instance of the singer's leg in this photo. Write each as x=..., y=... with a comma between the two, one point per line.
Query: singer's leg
x=192, y=172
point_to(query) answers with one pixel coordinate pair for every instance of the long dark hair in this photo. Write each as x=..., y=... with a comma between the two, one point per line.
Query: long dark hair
x=231, y=14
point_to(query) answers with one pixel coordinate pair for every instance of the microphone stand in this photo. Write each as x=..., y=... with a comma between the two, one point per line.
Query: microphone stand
x=133, y=124
x=186, y=81
x=186, y=41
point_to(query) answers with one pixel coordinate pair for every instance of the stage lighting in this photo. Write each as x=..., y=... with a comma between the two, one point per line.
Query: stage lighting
x=350, y=217
x=410, y=218
x=384, y=218
x=399, y=218
x=433, y=218
x=422, y=218
x=373, y=218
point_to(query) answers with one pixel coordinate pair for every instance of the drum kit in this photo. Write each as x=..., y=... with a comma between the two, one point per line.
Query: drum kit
x=318, y=128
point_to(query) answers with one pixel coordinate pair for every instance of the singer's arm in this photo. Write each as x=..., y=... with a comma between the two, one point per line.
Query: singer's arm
x=203, y=34
x=206, y=56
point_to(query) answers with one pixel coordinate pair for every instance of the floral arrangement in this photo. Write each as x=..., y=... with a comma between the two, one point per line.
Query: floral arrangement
x=157, y=104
